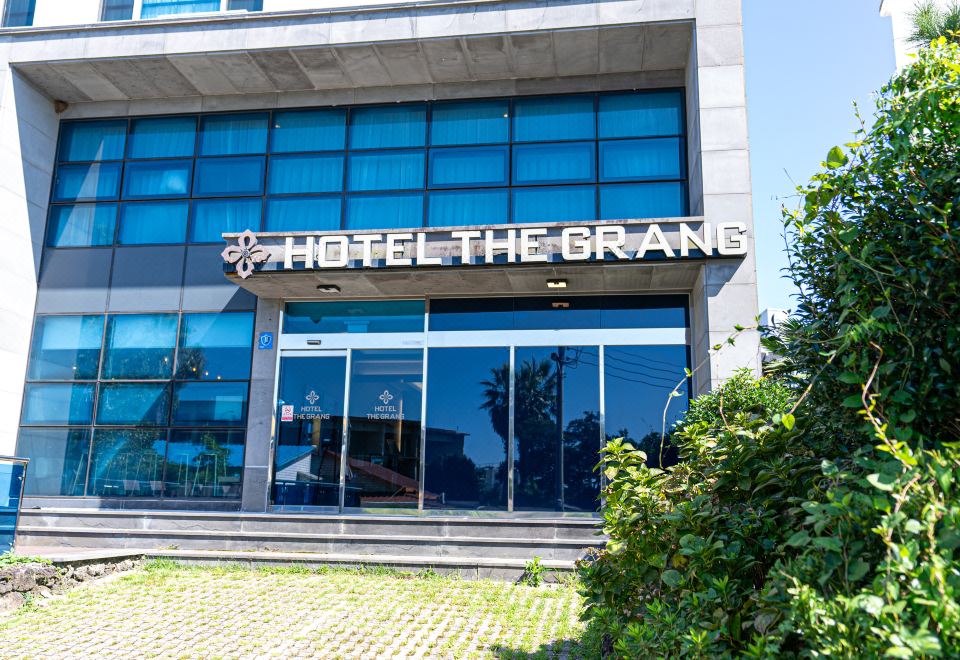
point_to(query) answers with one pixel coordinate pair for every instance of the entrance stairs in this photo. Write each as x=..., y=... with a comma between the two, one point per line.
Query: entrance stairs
x=471, y=546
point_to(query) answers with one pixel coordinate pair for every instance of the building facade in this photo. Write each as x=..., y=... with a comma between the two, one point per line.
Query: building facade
x=365, y=257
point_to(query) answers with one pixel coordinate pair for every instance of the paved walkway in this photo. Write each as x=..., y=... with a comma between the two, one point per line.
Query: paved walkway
x=174, y=612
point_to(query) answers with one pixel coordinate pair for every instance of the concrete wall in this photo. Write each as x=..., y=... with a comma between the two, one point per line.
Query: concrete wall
x=900, y=13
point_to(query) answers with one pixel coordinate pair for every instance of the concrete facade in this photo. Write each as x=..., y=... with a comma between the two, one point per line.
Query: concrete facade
x=295, y=55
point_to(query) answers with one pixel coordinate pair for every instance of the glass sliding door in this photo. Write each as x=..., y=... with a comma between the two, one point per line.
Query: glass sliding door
x=556, y=428
x=310, y=407
x=468, y=424
x=386, y=397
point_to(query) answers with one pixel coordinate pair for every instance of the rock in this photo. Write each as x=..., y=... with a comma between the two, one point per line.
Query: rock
x=23, y=578
x=5, y=586
x=125, y=565
x=95, y=570
x=11, y=601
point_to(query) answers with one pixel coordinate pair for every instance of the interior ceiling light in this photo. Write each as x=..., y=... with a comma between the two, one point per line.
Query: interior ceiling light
x=328, y=288
x=556, y=284
x=560, y=304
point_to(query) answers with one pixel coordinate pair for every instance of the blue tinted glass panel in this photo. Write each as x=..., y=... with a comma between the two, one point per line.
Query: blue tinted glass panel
x=303, y=213
x=155, y=8
x=245, y=5
x=228, y=177
x=388, y=126
x=222, y=135
x=539, y=314
x=210, y=404
x=306, y=174
x=153, y=222
x=141, y=404
x=471, y=122
x=388, y=170
x=384, y=211
x=354, y=316
x=553, y=118
x=19, y=13
x=451, y=208
x=204, y=464
x=625, y=160
x=140, y=346
x=310, y=130
x=642, y=200
x=81, y=225
x=127, y=463
x=641, y=114
x=58, y=460
x=644, y=312
x=213, y=217
x=215, y=346
x=80, y=182
x=471, y=314
x=162, y=137
x=59, y=404
x=117, y=10
x=480, y=166
x=555, y=204
x=553, y=163
x=66, y=348
x=161, y=178
x=93, y=140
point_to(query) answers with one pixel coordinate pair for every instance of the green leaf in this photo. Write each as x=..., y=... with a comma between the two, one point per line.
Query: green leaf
x=835, y=158
x=882, y=482
x=799, y=539
x=870, y=604
x=788, y=421
x=828, y=543
x=671, y=578
x=945, y=366
x=850, y=378
x=913, y=526
x=857, y=570
x=853, y=401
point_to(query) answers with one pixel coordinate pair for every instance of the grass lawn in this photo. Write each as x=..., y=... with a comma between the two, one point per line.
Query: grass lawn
x=168, y=610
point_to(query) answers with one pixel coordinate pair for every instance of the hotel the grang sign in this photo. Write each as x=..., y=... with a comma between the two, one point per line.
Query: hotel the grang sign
x=473, y=246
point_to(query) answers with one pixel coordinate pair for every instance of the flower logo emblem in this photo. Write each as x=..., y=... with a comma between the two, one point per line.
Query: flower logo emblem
x=312, y=397
x=386, y=397
x=245, y=254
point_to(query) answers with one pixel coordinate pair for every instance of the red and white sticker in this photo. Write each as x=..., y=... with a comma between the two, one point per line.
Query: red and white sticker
x=286, y=413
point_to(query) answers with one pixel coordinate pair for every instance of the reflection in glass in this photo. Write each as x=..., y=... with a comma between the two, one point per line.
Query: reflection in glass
x=356, y=316
x=637, y=385
x=306, y=462
x=140, y=346
x=384, y=443
x=81, y=225
x=93, y=140
x=228, y=177
x=58, y=460
x=626, y=201
x=162, y=137
x=213, y=217
x=133, y=404
x=556, y=428
x=210, y=404
x=127, y=463
x=157, y=178
x=66, y=348
x=80, y=182
x=58, y=404
x=466, y=450
x=215, y=346
x=144, y=223
x=204, y=464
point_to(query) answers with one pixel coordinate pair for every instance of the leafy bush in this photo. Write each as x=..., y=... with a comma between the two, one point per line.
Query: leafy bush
x=11, y=559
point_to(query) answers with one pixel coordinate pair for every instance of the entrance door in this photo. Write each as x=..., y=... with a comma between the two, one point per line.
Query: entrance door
x=310, y=406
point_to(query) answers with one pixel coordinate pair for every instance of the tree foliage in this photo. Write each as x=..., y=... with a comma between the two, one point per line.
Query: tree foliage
x=930, y=21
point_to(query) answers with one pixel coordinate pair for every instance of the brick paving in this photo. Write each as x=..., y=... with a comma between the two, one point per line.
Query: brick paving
x=169, y=611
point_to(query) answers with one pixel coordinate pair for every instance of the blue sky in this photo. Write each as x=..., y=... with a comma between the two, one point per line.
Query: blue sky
x=806, y=63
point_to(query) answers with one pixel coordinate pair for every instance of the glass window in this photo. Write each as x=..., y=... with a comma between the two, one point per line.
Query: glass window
x=384, y=441
x=306, y=174
x=386, y=170
x=81, y=225
x=540, y=314
x=226, y=135
x=159, y=178
x=471, y=314
x=82, y=182
x=480, y=166
x=354, y=316
x=450, y=208
x=556, y=428
x=127, y=463
x=388, y=126
x=210, y=404
x=162, y=137
x=117, y=10
x=637, y=385
x=308, y=130
x=57, y=404
x=394, y=211
x=144, y=223
x=213, y=217
x=207, y=464
x=215, y=346
x=644, y=312
x=554, y=204
x=306, y=460
x=624, y=160
x=19, y=13
x=553, y=163
x=66, y=348
x=58, y=460
x=304, y=213
x=465, y=466
x=470, y=122
x=244, y=5
x=92, y=140
x=228, y=177
x=158, y=8
x=553, y=118
x=641, y=114
x=133, y=404
x=642, y=200
x=140, y=346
